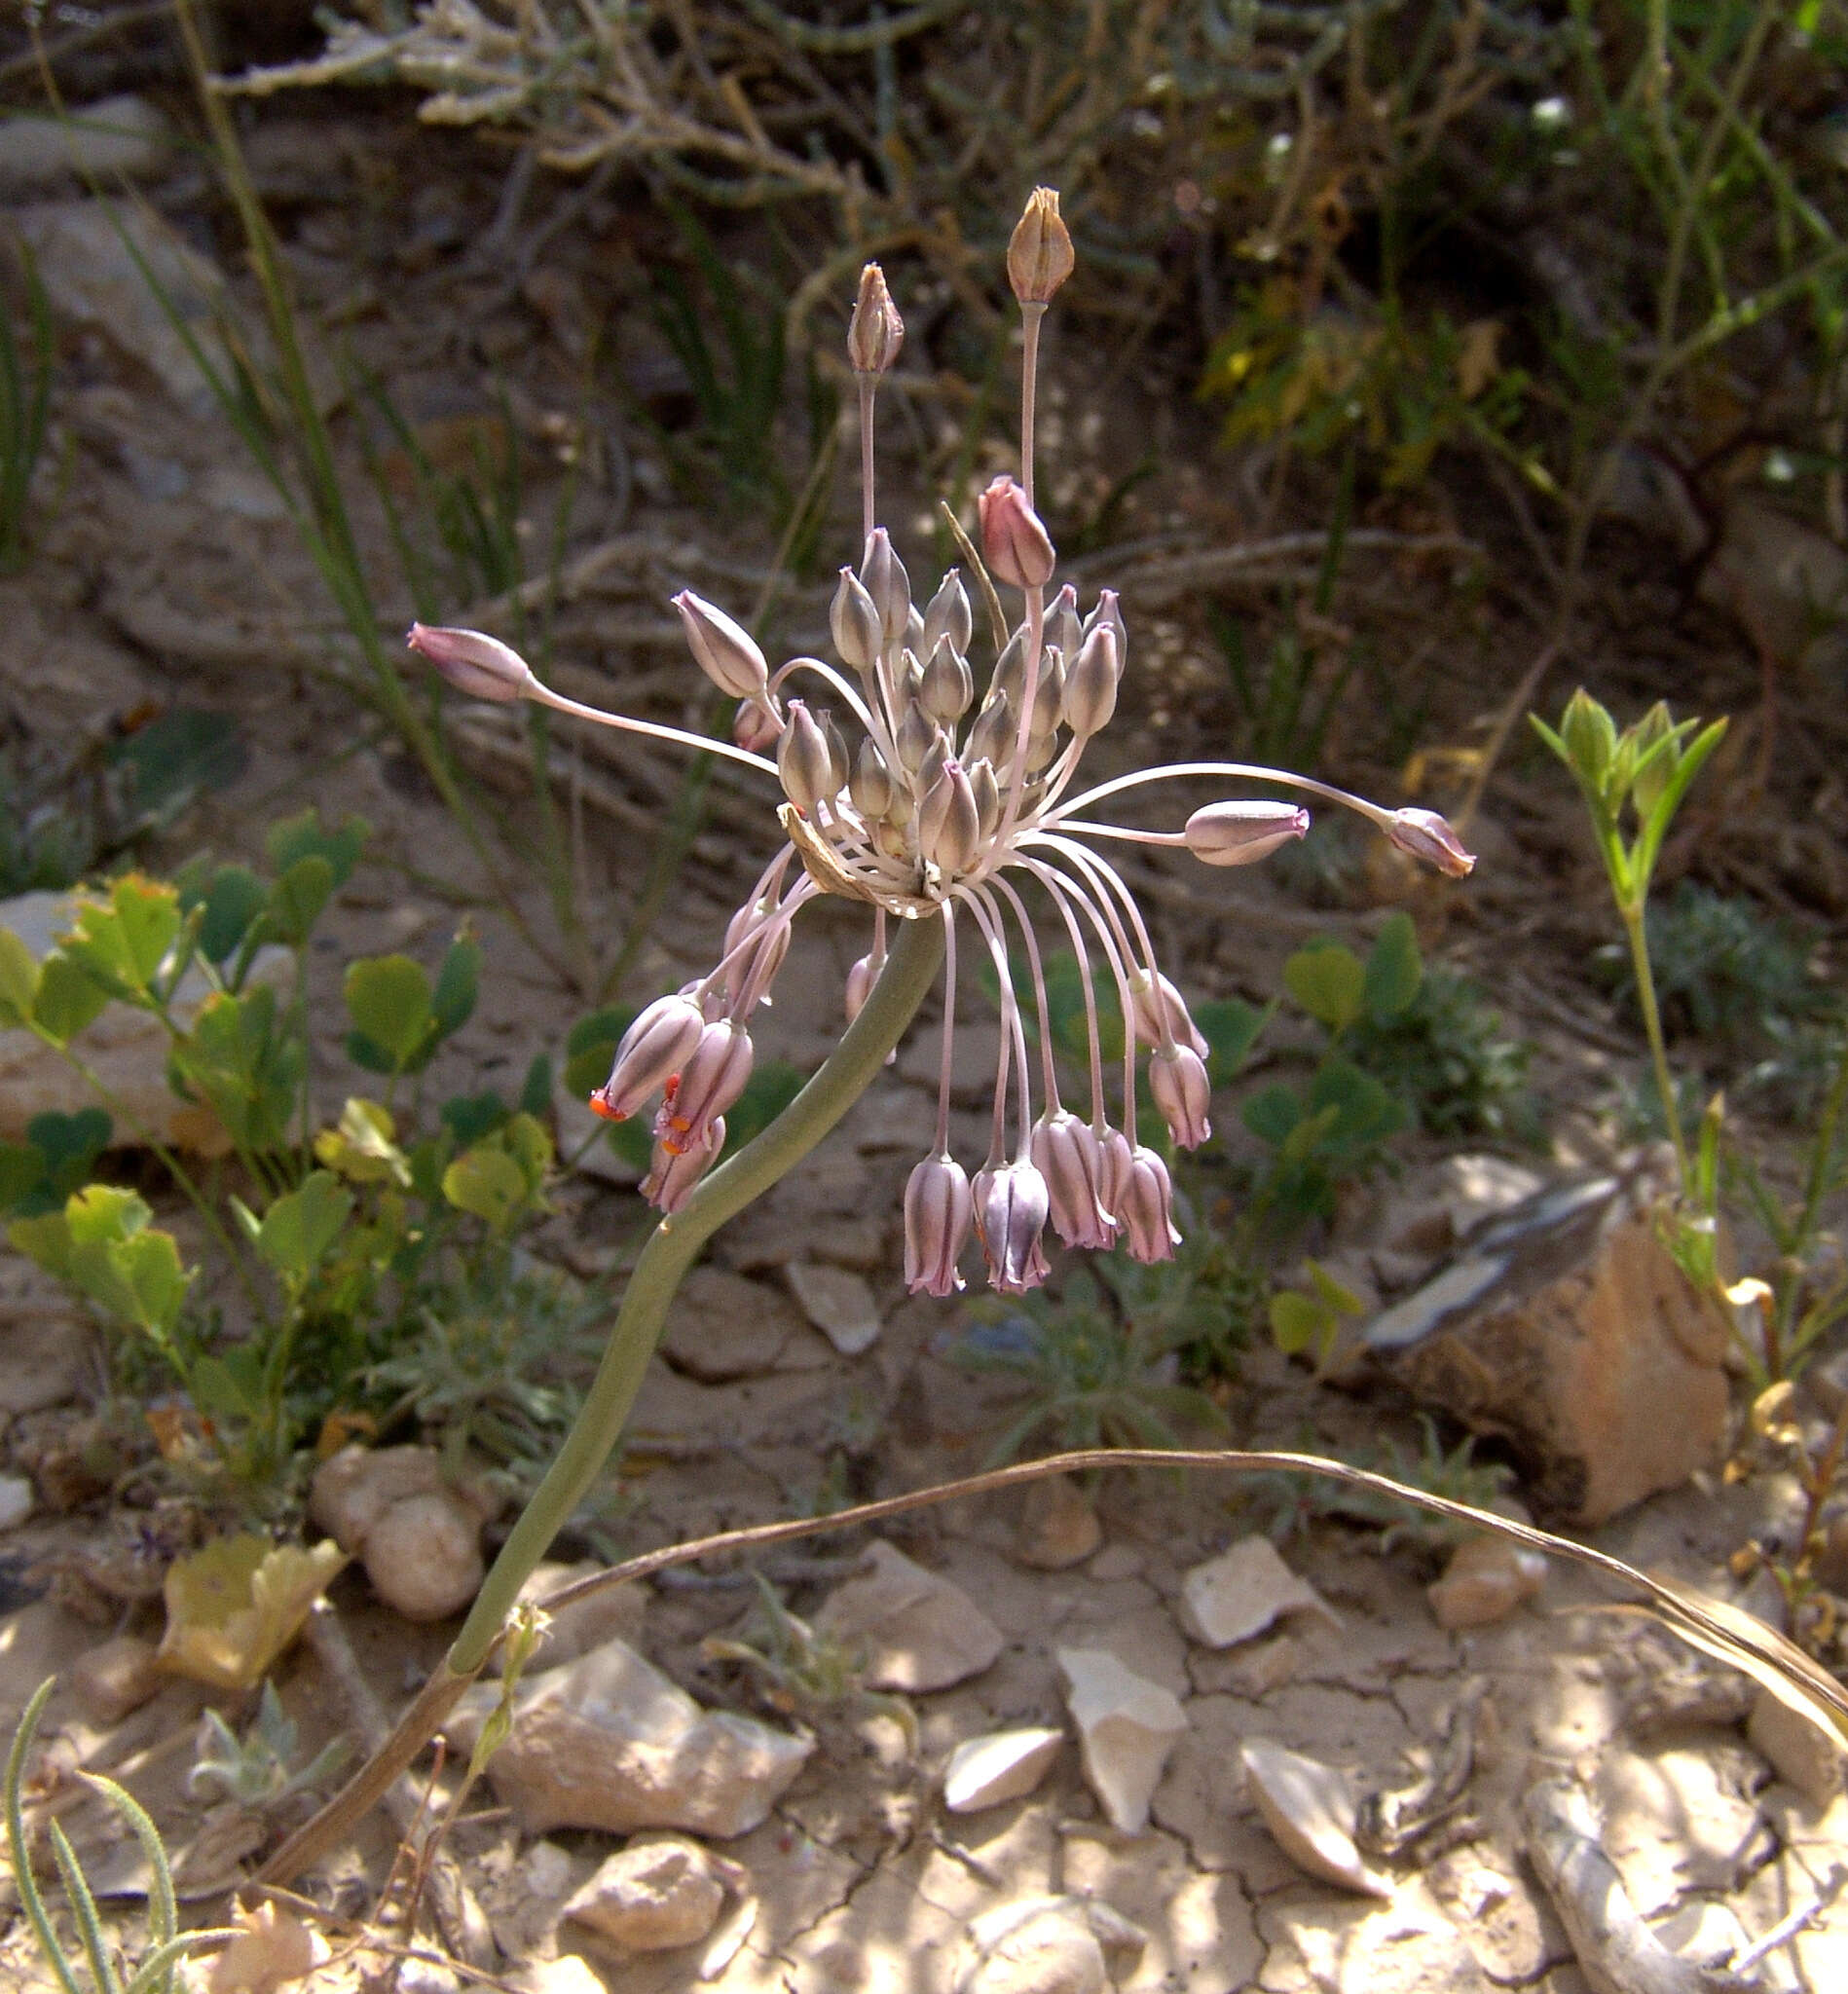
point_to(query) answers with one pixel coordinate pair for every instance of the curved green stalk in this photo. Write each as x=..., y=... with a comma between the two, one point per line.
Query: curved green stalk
x=909, y=972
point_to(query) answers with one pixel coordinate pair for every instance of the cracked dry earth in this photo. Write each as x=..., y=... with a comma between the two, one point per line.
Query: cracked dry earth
x=167, y=570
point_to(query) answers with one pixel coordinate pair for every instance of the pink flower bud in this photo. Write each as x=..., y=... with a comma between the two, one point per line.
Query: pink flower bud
x=854, y=618
x=724, y=651
x=1113, y=1158
x=860, y=982
x=875, y=332
x=673, y=1174
x=1426, y=837
x=712, y=1078
x=938, y=1211
x=1070, y=1158
x=1150, y=1004
x=1014, y=544
x=655, y=1048
x=756, y=726
x=1177, y=1078
x=804, y=760
x=1242, y=834
x=474, y=663
x=1010, y=1205
x=1146, y=1209
x=948, y=825
x=761, y=942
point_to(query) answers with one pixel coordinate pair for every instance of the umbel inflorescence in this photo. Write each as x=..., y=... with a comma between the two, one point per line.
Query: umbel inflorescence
x=905, y=791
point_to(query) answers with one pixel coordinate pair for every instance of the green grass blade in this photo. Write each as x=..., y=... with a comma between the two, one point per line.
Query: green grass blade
x=84, y=1905
x=19, y=1853
x=163, y=1909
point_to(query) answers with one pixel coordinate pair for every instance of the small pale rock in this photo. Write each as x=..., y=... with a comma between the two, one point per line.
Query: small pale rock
x=1798, y=1750
x=116, y=1676
x=423, y=1556
x=1241, y=1592
x=1485, y=1579
x=608, y=1742
x=1115, y=1561
x=545, y=1870
x=1048, y=1946
x=837, y=1302
x=120, y=136
x=16, y=1501
x=564, y=1975
x=1058, y=1528
x=1126, y=1727
x=615, y=1613
x=272, y=1947
x=650, y=1895
x=1259, y=1666
x=1565, y=1328
x=354, y=1488
x=44, y=1357
x=1309, y=1808
x=722, y=1326
x=1004, y=1765
x=920, y=1630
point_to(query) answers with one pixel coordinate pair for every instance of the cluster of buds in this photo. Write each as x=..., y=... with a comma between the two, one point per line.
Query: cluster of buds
x=906, y=791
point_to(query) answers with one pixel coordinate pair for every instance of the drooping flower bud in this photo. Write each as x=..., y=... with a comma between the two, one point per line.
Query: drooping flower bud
x=1177, y=1078
x=474, y=663
x=761, y=942
x=1013, y=543
x=854, y=619
x=887, y=583
x=675, y=1175
x=804, y=762
x=656, y=1047
x=756, y=726
x=723, y=650
x=1113, y=1173
x=1070, y=1158
x=1010, y=1205
x=859, y=986
x=948, y=824
x=1040, y=254
x=948, y=615
x=1091, y=685
x=870, y=783
x=1150, y=1009
x=712, y=1078
x=1425, y=835
x=939, y=1209
x=1146, y=1209
x=947, y=688
x=1242, y=834
x=875, y=332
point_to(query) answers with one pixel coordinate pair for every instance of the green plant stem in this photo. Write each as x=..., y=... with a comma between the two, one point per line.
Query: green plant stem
x=910, y=969
x=1633, y=927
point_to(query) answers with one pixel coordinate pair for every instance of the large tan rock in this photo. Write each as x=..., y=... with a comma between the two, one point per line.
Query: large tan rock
x=1565, y=1328
x=919, y=1630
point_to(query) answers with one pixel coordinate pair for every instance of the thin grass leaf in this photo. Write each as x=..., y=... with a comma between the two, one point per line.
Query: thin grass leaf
x=162, y=1908
x=17, y=1851
x=156, y=1971
x=84, y=1906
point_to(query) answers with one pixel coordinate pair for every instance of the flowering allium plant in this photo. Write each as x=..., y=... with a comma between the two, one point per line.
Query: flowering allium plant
x=944, y=809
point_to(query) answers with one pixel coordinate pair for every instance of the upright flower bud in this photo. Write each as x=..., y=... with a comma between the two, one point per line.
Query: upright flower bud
x=712, y=1078
x=1242, y=834
x=837, y=765
x=854, y=619
x=875, y=332
x=656, y=1047
x=474, y=663
x=1014, y=544
x=675, y=1175
x=1062, y=626
x=917, y=735
x=991, y=738
x=1010, y=1205
x=1425, y=835
x=870, y=783
x=804, y=762
x=1040, y=255
x=948, y=824
x=1152, y=1003
x=987, y=794
x=938, y=1211
x=1070, y=1158
x=948, y=614
x=1146, y=1209
x=947, y=689
x=1177, y=1078
x=724, y=651
x=1091, y=685
x=1107, y=610
x=887, y=583
x=1049, y=693
x=756, y=726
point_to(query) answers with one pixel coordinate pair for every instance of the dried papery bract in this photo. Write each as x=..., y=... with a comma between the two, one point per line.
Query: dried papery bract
x=875, y=332
x=1040, y=254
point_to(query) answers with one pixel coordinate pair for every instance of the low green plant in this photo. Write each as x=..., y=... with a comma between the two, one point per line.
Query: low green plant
x=1308, y=1321
x=1094, y=1373
x=26, y=371
x=257, y=1770
x=108, y=1973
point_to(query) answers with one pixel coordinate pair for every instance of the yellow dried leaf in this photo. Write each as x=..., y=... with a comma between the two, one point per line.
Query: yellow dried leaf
x=234, y=1606
x=1476, y=362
